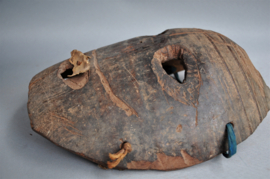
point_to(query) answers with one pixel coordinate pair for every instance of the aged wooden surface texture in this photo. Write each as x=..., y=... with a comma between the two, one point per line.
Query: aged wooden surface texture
x=127, y=96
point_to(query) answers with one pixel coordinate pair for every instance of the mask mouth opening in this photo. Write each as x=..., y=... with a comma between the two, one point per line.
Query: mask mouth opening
x=176, y=69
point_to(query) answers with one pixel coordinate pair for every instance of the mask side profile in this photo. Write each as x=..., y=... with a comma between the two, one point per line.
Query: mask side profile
x=127, y=108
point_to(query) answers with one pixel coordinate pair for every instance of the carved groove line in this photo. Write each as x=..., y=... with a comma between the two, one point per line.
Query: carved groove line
x=221, y=57
x=117, y=101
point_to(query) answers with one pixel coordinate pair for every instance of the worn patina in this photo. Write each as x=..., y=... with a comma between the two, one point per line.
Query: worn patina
x=127, y=96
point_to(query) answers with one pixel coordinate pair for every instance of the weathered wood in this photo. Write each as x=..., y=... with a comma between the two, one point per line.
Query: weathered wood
x=127, y=96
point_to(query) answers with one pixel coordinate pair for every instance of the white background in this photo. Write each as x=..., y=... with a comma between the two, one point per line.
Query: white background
x=37, y=34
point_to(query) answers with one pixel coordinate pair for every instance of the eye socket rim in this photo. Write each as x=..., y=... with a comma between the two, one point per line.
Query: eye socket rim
x=187, y=92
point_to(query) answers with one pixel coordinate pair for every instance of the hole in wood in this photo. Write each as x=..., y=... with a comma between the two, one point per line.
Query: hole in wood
x=66, y=73
x=75, y=82
x=176, y=69
x=184, y=61
x=232, y=124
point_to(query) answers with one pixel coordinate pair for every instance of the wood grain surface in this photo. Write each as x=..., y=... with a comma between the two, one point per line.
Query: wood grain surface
x=127, y=96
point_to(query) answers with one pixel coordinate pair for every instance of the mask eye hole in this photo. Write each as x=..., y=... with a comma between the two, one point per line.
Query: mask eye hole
x=66, y=73
x=186, y=90
x=176, y=69
x=75, y=82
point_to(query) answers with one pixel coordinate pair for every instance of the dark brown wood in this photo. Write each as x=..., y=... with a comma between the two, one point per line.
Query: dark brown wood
x=127, y=96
